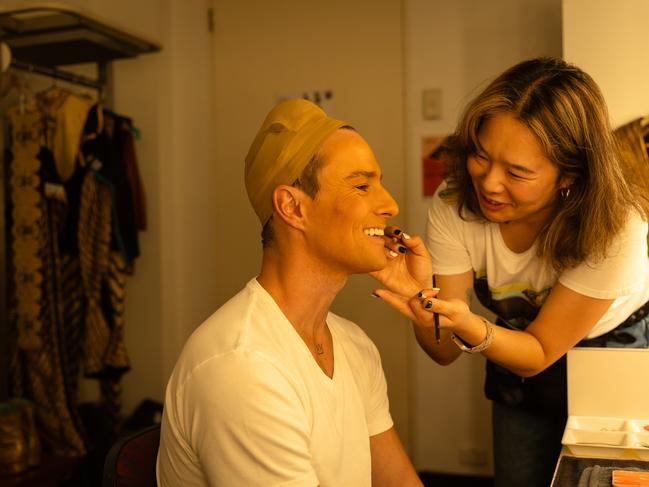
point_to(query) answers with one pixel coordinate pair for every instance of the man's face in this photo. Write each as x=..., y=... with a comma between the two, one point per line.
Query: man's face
x=345, y=220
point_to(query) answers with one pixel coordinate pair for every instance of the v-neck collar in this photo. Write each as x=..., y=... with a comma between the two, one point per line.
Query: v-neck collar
x=328, y=381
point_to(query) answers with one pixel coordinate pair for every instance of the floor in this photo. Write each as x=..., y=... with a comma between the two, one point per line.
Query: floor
x=431, y=479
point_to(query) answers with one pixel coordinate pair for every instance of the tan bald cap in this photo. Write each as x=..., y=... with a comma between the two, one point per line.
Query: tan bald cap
x=289, y=137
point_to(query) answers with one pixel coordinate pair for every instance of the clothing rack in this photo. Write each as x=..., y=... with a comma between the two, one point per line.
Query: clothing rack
x=99, y=84
x=44, y=35
x=41, y=37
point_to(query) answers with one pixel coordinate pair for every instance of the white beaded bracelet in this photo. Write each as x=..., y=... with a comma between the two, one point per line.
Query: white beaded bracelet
x=480, y=346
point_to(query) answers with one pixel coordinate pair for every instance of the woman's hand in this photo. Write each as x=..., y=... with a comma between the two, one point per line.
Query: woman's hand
x=455, y=289
x=409, y=267
x=454, y=314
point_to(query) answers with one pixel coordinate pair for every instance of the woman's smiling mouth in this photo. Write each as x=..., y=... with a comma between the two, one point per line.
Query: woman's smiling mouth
x=490, y=204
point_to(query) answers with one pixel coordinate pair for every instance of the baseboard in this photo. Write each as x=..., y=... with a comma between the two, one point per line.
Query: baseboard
x=432, y=479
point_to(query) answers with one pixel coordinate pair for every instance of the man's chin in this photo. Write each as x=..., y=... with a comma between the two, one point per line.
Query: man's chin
x=374, y=267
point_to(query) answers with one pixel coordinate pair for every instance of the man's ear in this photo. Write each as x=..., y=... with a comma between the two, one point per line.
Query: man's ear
x=287, y=202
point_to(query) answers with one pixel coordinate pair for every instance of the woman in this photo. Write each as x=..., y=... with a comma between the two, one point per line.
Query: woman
x=536, y=218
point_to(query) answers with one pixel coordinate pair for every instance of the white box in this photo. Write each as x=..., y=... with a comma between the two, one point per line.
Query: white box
x=608, y=403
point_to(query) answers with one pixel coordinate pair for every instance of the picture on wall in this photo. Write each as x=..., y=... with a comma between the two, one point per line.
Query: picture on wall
x=432, y=163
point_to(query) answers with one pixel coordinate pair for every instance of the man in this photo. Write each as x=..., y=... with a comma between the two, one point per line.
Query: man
x=273, y=389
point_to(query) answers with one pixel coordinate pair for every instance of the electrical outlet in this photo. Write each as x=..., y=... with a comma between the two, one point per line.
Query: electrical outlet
x=472, y=456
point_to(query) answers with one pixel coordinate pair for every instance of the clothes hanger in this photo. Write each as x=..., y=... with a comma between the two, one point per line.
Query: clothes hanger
x=18, y=83
x=13, y=82
x=9, y=83
x=5, y=57
x=135, y=131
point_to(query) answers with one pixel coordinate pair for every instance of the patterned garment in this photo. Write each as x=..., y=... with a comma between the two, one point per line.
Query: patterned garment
x=94, y=251
x=38, y=317
x=116, y=358
x=104, y=280
x=27, y=228
x=74, y=305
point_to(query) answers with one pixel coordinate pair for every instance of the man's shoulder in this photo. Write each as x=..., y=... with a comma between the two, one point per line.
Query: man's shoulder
x=227, y=318
x=222, y=332
x=248, y=327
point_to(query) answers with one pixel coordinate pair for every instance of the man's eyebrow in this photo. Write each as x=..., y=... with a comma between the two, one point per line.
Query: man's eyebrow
x=364, y=174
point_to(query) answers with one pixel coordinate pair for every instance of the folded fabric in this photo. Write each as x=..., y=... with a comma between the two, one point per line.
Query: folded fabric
x=598, y=476
x=629, y=478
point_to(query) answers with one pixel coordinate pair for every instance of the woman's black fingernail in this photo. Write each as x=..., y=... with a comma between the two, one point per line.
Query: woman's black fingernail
x=429, y=304
x=376, y=295
x=402, y=249
x=397, y=232
x=421, y=294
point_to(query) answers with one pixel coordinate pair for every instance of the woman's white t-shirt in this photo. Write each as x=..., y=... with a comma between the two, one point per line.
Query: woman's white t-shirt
x=515, y=285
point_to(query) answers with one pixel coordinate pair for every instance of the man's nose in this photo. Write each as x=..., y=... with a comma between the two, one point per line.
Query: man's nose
x=388, y=207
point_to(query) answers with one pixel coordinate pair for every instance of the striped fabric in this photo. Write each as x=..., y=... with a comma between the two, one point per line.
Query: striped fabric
x=104, y=274
x=116, y=356
x=73, y=304
x=94, y=251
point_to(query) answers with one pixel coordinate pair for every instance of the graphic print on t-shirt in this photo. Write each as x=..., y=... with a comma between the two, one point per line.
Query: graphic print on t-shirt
x=516, y=304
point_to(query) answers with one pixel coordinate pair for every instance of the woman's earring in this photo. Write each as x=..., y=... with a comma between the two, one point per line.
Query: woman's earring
x=564, y=193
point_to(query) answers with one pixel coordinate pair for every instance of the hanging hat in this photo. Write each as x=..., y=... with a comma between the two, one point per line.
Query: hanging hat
x=288, y=139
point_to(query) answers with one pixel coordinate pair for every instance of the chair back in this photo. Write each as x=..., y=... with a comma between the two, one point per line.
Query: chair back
x=131, y=460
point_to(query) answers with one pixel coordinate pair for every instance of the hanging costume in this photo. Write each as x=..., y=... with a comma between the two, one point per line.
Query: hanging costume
x=70, y=252
x=45, y=287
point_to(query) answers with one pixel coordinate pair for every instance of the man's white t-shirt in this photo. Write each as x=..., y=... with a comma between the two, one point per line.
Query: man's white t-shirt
x=248, y=405
x=517, y=284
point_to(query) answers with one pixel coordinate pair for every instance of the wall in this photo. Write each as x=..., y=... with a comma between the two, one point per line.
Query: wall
x=457, y=47
x=169, y=95
x=608, y=40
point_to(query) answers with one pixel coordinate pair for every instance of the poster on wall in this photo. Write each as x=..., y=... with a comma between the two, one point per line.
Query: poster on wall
x=322, y=98
x=432, y=163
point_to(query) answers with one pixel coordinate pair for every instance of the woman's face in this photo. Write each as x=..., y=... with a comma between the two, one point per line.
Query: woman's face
x=513, y=179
